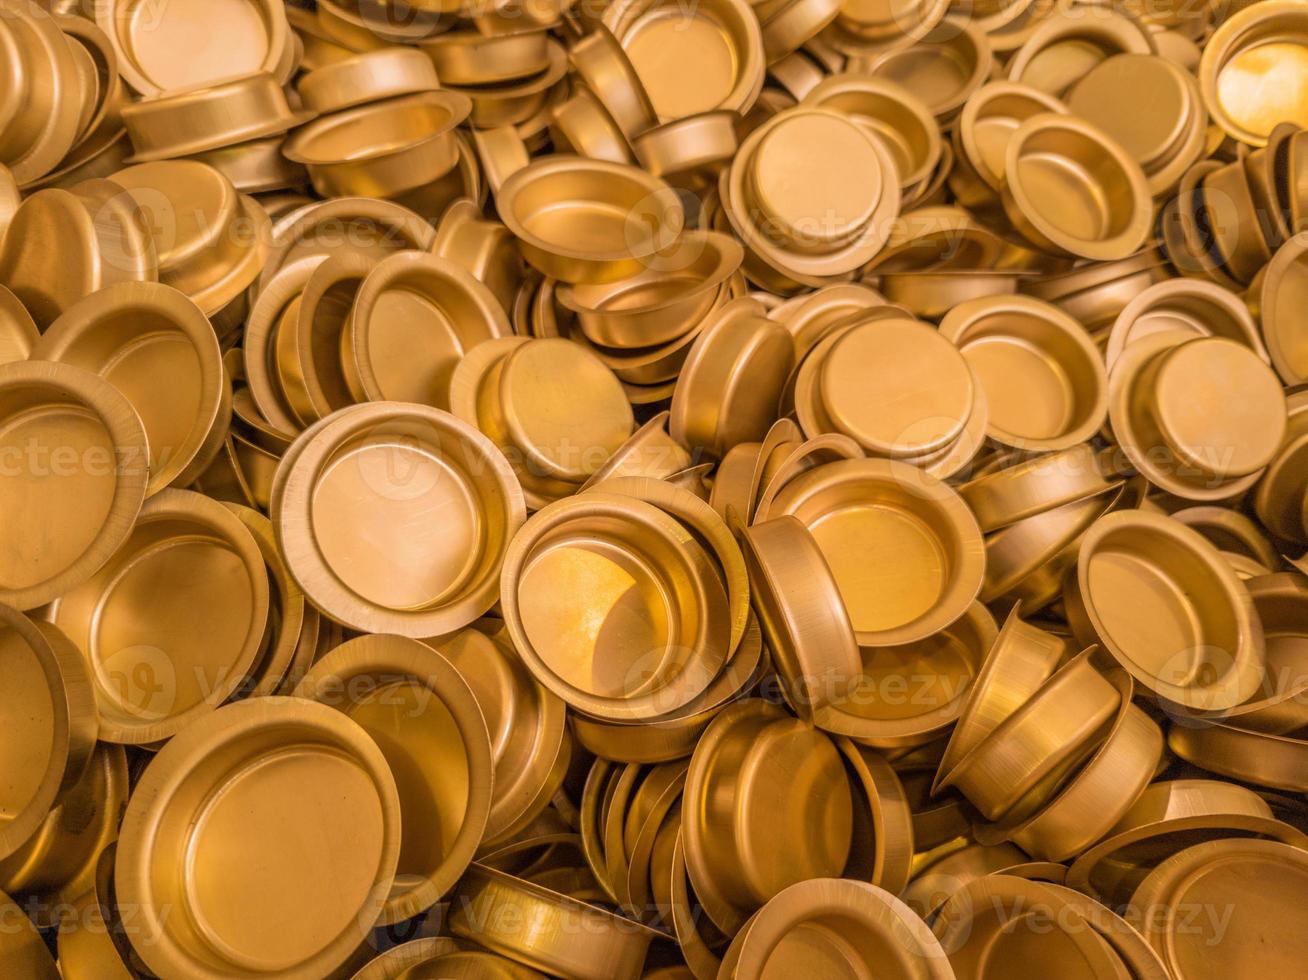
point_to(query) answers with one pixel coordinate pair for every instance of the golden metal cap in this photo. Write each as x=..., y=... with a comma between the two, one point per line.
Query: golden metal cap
x=1204, y=653
x=359, y=472
x=426, y=718
x=295, y=771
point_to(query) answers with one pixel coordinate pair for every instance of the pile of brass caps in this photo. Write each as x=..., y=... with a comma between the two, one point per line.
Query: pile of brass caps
x=635, y=489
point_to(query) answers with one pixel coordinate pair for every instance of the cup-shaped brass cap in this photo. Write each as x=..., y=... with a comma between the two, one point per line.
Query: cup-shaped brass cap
x=161, y=660
x=288, y=617
x=863, y=381
x=649, y=452
x=1161, y=389
x=529, y=739
x=615, y=606
x=412, y=320
x=1212, y=871
x=257, y=166
x=1238, y=50
x=727, y=72
x=382, y=149
x=1277, y=706
x=243, y=791
x=57, y=864
x=81, y=457
x=662, y=303
x=702, y=520
x=368, y=472
x=1071, y=189
x=49, y=711
x=674, y=736
x=923, y=522
x=878, y=25
x=66, y=244
x=1167, y=136
x=1045, y=382
x=841, y=167
x=360, y=224
x=1259, y=758
x=307, y=373
x=361, y=25
x=767, y=804
x=481, y=245
x=1280, y=289
x=1026, y=560
x=398, y=961
x=561, y=407
x=425, y=717
x=472, y=58
x=790, y=24
x=159, y=53
x=1091, y=802
x=582, y=126
x=367, y=77
x=700, y=144
x=1165, y=604
x=49, y=98
x=729, y=387
x=97, y=946
x=1097, y=293
x=1020, y=659
x=1168, y=817
x=802, y=614
x=174, y=124
x=1023, y=486
x=156, y=347
x=627, y=216
x=547, y=930
x=1067, y=44
x=851, y=920
x=978, y=922
x=1202, y=309
x=524, y=104
x=1042, y=740
x=950, y=62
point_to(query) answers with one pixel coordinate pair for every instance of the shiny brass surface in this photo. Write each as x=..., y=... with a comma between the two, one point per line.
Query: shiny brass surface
x=726, y=71
x=742, y=489
x=157, y=349
x=976, y=927
x=265, y=776
x=173, y=124
x=156, y=672
x=382, y=149
x=411, y=302
x=156, y=53
x=889, y=507
x=745, y=846
x=547, y=930
x=425, y=718
x=1071, y=189
x=1064, y=396
x=367, y=77
x=1205, y=653
x=627, y=215
x=356, y=476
